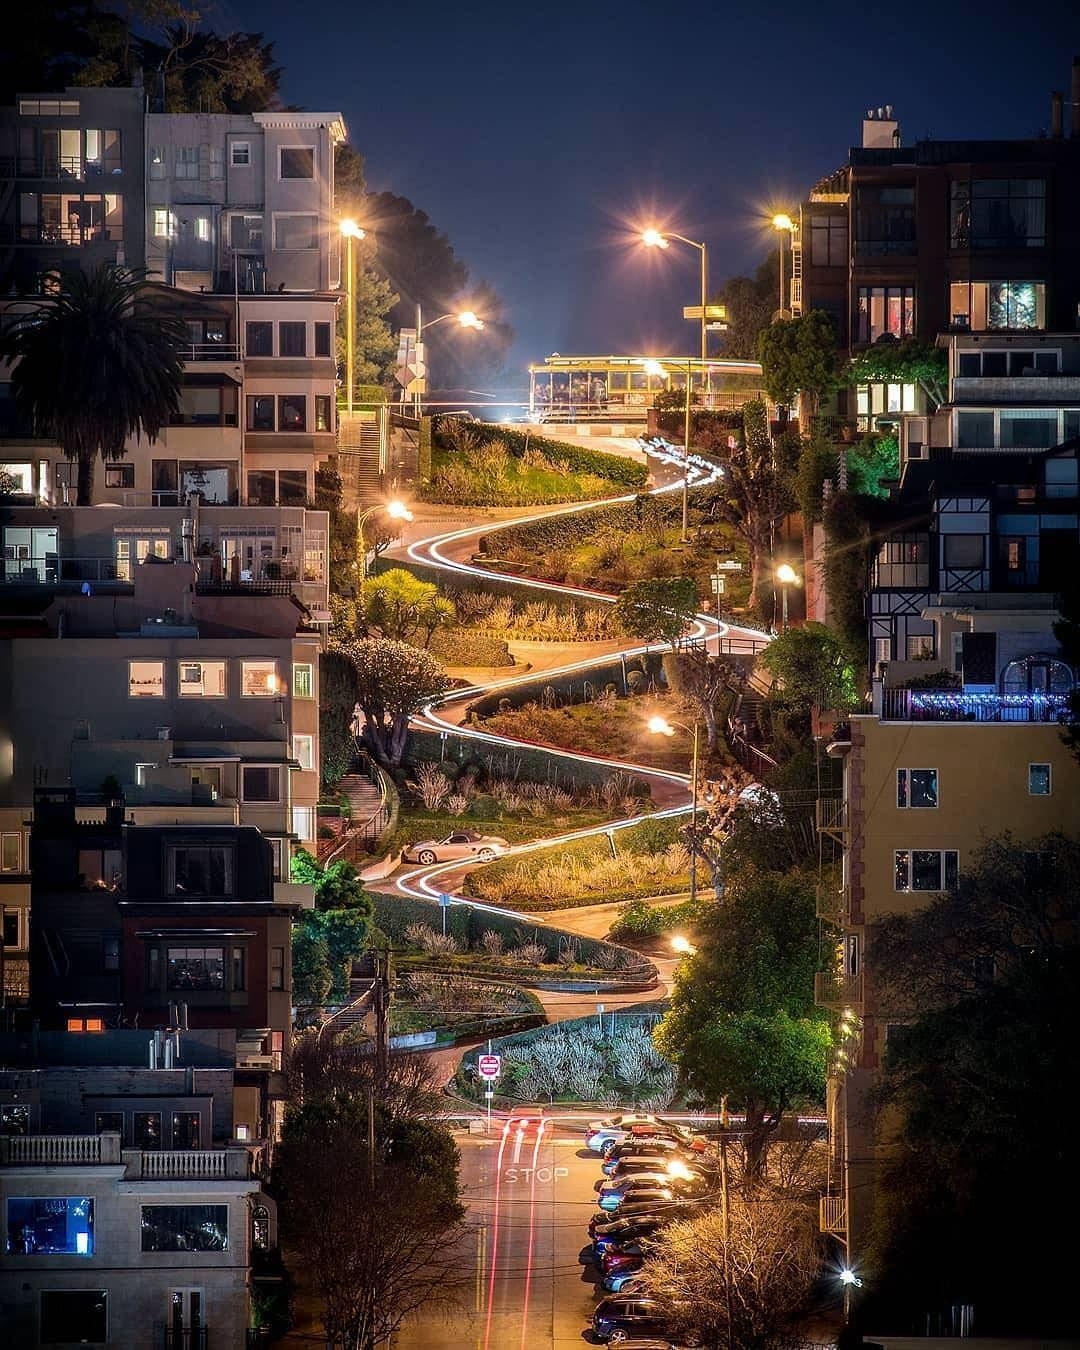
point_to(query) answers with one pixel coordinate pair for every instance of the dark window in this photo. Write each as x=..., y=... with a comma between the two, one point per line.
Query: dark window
x=50, y=1226
x=292, y=487
x=970, y=365
x=239, y=968
x=260, y=412
x=1019, y=431
x=185, y=1228
x=262, y=488
x=15, y=1116
x=1039, y=780
x=119, y=475
x=1046, y=363
x=995, y=363
x=296, y=232
x=261, y=783
x=78, y=1316
x=998, y=213
x=277, y=967
x=185, y=1129
x=1061, y=474
x=110, y=952
x=246, y=232
x=146, y=1129
x=292, y=339
x=974, y=430
x=260, y=339
x=322, y=339
x=292, y=412
x=201, y=870
x=199, y=968
x=964, y=550
x=1021, y=362
x=11, y=929
x=323, y=413
x=916, y=788
x=829, y=241
x=166, y=479
x=111, y=1122
x=297, y=161
x=884, y=220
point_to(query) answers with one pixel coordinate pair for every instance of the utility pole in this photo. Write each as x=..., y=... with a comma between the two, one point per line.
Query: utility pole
x=381, y=1000
x=726, y=1219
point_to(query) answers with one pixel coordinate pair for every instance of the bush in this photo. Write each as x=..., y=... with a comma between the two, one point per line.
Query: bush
x=461, y=646
x=578, y=459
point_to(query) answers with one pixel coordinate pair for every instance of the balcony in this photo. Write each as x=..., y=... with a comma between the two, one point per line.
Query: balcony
x=990, y=389
x=211, y=351
x=832, y=1215
x=184, y=1338
x=957, y=705
x=103, y=1150
x=50, y=569
x=833, y=989
x=831, y=816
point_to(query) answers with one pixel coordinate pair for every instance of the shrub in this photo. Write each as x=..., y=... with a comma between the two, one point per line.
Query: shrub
x=431, y=785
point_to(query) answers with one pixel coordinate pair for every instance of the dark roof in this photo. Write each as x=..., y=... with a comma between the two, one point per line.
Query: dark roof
x=925, y=478
x=1041, y=150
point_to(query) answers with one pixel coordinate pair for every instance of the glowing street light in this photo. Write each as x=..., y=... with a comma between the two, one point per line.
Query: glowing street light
x=783, y=224
x=660, y=726
x=351, y=232
x=683, y=945
x=396, y=510
x=786, y=576
x=662, y=239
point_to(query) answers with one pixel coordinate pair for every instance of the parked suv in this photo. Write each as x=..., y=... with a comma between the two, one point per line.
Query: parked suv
x=630, y=1316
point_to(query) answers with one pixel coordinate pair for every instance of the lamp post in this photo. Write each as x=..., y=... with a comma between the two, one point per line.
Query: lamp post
x=662, y=239
x=783, y=224
x=466, y=318
x=352, y=232
x=657, y=368
x=786, y=576
x=660, y=726
x=395, y=510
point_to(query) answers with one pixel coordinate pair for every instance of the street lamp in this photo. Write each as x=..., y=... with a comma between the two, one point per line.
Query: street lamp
x=683, y=946
x=662, y=239
x=783, y=224
x=656, y=368
x=395, y=510
x=465, y=318
x=660, y=726
x=352, y=231
x=786, y=576
x=849, y=1280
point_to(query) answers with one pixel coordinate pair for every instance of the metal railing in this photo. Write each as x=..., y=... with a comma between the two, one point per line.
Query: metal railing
x=211, y=351
x=956, y=705
x=831, y=815
x=833, y=904
x=832, y=1215
x=835, y=989
x=184, y=1338
x=49, y=569
x=58, y=167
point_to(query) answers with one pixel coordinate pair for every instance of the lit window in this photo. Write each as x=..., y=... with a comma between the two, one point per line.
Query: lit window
x=202, y=229
x=926, y=869
x=240, y=154
x=916, y=788
x=920, y=647
x=303, y=822
x=258, y=679
x=161, y=223
x=185, y=1228
x=292, y=412
x=886, y=309
x=146, y=679
x=202, y=679
x=50, y=1226
x=304, y=751
x=200, y=968
x=1039, y=780
x=324, y=413
x=303, y=681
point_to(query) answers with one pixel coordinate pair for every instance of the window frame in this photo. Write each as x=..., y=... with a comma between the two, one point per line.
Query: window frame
x=265, y=328
x=6, y=837
x=159, y=692
x=1049, y=779
x=324, y=339
x=299, y=679
x=245, y=795
x=145, y=1227
x=905, y=858
x=235, y=161
x=251, y=421
x=279, y=217
x=252, y=666
x=202, y=665
x=182, y=155
x=905, y=790
x=306, y=761
x=288, y=331
x=228, y=861
x=49, y=1199
x=284, y=150
x=296, y=399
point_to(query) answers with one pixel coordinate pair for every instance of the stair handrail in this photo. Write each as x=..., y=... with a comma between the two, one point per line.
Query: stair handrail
x=373, y=825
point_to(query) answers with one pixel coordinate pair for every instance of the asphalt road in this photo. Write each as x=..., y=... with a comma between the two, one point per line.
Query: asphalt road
x=529, y=1188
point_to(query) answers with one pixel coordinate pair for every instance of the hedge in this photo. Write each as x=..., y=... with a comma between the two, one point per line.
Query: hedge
x=534, y=764
x=468, y=647
x=578, y=459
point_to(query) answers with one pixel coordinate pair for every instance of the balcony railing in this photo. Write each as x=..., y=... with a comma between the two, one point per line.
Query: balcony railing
x=833, y=905
x=49, y=569
x=208, y=1164
x=58, y=167
x=831, y=814
x=834, y=989
x=211, y=351
x=184, y=1338
x=59, y=1150
x=957, y=705
x=832, y=1215
x=95, y=1150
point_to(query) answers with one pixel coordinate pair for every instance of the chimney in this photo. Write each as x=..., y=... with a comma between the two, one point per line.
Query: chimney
x=880, y=129
x=1075, y=97
x=1057, y=100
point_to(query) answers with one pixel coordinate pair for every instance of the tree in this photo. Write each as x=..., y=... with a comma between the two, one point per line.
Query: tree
x=798, y=356
x=95, y=363
x=809, y=667
x=375, y=344
x=754, y=493
x=762, y=1268
x=907, y=362
x=336, y=887
x=702, y=679
x=312, y=977
x=751, y=304
x=343, y=933
x=337, y=706
x=658, y=609
x=983, y=979
x=382, y=1235
x=192, y=70
x=743, y=1022
x=393, y=682
x=396, y=604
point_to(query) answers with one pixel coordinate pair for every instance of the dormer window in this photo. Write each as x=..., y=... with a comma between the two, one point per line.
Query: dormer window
x=200, y=870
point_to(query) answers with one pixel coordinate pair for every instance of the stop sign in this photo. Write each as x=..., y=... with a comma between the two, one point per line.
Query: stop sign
x=490, y=1066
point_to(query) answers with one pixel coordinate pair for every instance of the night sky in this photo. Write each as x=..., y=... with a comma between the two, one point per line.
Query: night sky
x=538, y=137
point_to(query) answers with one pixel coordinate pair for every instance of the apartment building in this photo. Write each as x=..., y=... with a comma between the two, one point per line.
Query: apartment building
x=234, y=216
x=941, y=236
x=969, y=689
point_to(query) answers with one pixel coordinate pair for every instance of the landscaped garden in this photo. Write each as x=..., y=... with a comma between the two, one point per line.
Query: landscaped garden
x=640, y=861
x=609, y=1061
x=476, y=464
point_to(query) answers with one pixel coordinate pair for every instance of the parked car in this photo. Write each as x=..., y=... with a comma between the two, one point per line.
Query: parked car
x=622, y=1202
x=614, y=1191
x=459, y=844
x=622, y=1280
x=634, y=1167
x=629, y=1316
x=627, y=1230
x=657, y=1151
x=618, y=1128
x=628, y=1255
x=659, y=1203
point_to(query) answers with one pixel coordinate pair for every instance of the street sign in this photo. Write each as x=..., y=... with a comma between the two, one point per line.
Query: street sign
x=489, y=1066
x=718, y=585
x=731, y=565
x=711, y=312
x=444, y=900
x=489, y=1093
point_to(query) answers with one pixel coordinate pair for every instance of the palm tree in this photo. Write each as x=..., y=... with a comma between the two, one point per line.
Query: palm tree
x=95, y=363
